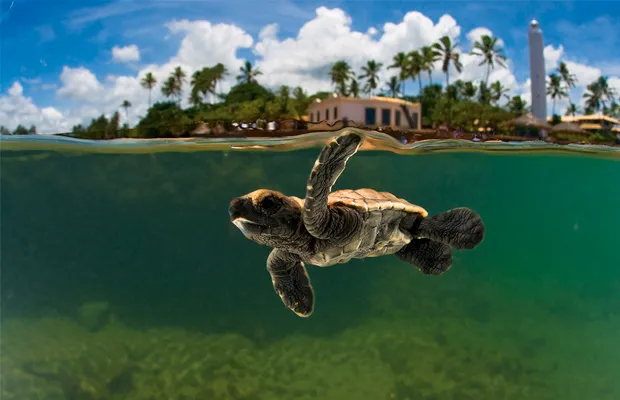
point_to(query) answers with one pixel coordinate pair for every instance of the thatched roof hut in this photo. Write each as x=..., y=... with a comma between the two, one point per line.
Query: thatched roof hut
x=530, y=121
x=568, y=127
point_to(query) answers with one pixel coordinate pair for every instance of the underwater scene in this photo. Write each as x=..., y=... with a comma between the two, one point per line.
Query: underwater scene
x=124, y=278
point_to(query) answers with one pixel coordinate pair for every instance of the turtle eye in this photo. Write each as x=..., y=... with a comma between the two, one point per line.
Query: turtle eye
x=269, y=204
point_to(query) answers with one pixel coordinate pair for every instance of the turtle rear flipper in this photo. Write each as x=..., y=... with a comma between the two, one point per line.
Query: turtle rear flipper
x=291, y=281
x=430, y=257
x=318, y=219
x=460, y=228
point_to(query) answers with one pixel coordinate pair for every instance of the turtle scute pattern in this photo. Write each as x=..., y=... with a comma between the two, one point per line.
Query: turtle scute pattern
x=382, y=213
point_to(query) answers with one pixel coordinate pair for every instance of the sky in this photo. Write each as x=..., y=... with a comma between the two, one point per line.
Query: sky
x=64, y=62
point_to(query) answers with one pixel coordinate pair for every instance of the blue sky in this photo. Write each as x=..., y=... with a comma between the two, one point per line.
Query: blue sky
x=40, y=37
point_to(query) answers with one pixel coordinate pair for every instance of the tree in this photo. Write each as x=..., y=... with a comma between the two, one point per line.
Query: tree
x=20, y=130
x=370, y=72
x=32, y=130
x=607, y=93
x=429, y=56
x=248, y=73
x=517, y=106
x=593, y=96
x=170, y=88
x=446, y=52
x=393, y=86
x=491, y=53
x=572, y=109
x=568, y=78
x=401, y=61
x=148, y=82
x=4, y=131
x=111, y=130
x=498, y=91
x=126, y=104
x=340, y=75
x=415, y=65
x=555, y=89
x=163, y=120
x=246, y=91
x=469, y=90
x=354, y=88
x=179, y=77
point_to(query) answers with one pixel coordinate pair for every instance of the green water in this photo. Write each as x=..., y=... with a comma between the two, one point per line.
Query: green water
x=123, y=278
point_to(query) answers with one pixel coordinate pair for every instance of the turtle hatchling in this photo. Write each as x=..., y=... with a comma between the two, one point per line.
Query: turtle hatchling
x=328, y=228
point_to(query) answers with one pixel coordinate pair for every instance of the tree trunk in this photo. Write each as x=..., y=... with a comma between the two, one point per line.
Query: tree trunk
x=150, y=97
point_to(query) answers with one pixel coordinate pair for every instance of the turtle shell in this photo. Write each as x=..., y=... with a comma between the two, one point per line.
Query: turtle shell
x=368, y=200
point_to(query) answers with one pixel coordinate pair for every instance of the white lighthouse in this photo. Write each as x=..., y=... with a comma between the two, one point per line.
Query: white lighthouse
x=537, y=71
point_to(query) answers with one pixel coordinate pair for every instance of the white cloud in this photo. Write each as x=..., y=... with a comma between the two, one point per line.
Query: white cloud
x=302, y=60
x=17, y=109
x=126, y=54
x=329, y=37
x=16, y=89
x=79, y=84
x=476, y=33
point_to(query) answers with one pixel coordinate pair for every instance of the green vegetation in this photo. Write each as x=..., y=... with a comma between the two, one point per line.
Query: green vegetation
x=463, y=105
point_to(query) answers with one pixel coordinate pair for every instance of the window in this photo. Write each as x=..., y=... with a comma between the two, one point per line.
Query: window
x=336, y=113
x=318, y=116
x=327, y=114
x=371, y=116
x=311, y=117
x=397, y=117
x=386, y=115
x=414, y=117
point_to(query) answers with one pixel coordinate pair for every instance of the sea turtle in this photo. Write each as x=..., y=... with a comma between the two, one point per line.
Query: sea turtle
x=326, y=228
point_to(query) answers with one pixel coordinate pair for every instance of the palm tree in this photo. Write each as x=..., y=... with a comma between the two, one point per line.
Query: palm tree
x=371, y=74
x=415, y=67
x=491, y=53
x=393, y=86
x=555, y=89
x=469, y=90
x=607, y=93
x=446, y=51
x=340, y=75
x=354, y=88
x=219, y=72
x=572, y=109
x=248, y=73
x=179, y=76
x=593, y=96
x=401, y=61
x=126, y=104
x=429, y=56
x=568, y=78
x=170, y=87
x=484, y=94
x=498, y=91
x=614, y=110
x=516, y=105
x=148, y=82
x=203, y=83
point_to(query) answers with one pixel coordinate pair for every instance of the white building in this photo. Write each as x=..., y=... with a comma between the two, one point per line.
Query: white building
x=372, y=112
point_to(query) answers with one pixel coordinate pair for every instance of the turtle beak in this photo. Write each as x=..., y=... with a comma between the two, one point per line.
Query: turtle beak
x=239, y=210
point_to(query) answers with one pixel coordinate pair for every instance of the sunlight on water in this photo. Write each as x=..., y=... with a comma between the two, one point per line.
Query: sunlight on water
x=123, y=278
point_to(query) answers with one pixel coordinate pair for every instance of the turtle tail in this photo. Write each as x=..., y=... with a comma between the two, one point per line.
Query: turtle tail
x=460, y=228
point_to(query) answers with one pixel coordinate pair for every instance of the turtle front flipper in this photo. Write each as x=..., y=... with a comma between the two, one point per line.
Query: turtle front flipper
x=430, y=257
x=460, y=228
x=291, y=281
x=331, y=162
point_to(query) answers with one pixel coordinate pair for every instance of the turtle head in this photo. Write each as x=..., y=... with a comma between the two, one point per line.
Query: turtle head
x=267, y=217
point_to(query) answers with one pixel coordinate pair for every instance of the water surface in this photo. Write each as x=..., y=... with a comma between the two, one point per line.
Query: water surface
x=122, y=277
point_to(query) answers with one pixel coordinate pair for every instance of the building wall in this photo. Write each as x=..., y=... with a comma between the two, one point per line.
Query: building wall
x=355, y=110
